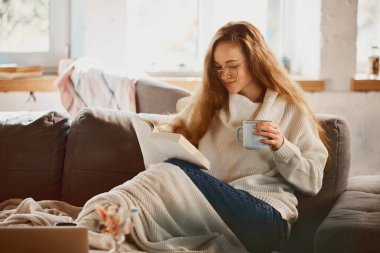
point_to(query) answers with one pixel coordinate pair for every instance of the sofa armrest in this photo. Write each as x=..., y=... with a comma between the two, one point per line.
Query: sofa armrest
x=313, y=210
x=336, y=170
x=153, y=96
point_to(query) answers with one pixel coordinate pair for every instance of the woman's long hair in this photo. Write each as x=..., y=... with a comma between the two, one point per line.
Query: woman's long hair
x=264, y=68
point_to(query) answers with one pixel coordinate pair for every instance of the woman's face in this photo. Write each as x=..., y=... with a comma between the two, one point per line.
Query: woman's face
x=231, y=66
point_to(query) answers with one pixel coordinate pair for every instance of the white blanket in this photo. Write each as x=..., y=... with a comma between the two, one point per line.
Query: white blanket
x=174, y=217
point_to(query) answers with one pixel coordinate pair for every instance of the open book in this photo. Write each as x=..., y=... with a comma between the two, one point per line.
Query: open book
x=159, y=146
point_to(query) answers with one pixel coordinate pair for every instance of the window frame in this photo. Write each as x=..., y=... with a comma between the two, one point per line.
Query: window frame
x=59, y=40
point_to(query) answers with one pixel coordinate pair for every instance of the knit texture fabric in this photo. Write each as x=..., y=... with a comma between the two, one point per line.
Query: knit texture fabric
x=174, y=217
x=268, y=175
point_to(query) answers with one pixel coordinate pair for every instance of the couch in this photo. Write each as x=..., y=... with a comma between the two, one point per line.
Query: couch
x=48, y=155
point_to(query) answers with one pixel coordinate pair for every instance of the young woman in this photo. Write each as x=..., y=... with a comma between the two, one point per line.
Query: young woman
x=252, y=190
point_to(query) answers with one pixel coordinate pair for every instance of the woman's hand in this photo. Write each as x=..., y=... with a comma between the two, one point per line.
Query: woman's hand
x=272, y=131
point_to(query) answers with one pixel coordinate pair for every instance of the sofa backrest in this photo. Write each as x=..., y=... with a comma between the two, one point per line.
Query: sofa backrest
x=102, y=149
x=312, y=210
x=153, y=96
x=32, y=148
x=101, y=152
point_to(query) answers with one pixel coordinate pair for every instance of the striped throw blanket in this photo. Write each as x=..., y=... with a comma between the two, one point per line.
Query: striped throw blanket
x=86, y=83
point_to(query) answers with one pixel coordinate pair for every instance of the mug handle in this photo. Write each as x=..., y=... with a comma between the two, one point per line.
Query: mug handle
x=238, y=132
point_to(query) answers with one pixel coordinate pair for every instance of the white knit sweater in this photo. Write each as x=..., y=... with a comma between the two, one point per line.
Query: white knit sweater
x=268, y=175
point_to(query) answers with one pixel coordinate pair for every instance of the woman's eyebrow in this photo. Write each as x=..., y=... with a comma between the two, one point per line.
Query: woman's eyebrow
x=229, y=61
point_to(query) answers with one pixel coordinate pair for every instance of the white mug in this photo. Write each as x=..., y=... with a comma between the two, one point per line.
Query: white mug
x=251, y=141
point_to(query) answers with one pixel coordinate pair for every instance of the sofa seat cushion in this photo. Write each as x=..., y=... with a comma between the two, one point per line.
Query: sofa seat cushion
x=32, y=149
x=353, y=225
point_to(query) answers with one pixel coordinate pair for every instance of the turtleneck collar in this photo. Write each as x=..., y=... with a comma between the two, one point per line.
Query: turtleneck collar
x=240, y=108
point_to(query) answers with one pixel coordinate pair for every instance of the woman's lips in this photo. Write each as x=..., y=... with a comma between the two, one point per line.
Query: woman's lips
x=229, y=84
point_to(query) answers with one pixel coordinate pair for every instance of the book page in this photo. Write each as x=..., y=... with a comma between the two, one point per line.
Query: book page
x=160, y=146
x=151, y=152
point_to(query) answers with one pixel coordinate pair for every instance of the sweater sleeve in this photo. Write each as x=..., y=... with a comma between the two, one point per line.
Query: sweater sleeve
x=301, y=161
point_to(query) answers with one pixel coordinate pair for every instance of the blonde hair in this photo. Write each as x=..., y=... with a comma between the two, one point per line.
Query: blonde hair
x=264, y=68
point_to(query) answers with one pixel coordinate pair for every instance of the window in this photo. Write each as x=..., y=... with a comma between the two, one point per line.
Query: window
x=155, y=41
x=24, y=26
x=34, y=32
x=368, y=34
x=170, y=37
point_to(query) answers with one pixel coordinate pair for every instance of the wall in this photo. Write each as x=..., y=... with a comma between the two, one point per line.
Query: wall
x=22, y=101
x=338, y=66
x=338, y=49
x=361, y=110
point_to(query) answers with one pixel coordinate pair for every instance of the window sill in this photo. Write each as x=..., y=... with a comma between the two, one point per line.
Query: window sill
x=360, y=83
x=41, y=84
x=190, y=83
x=45, y=84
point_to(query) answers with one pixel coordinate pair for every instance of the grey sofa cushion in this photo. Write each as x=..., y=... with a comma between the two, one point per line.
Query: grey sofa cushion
x=102, y=152
x=353, y=225
x=32, y=149
x=153, y=96
x=312, y=210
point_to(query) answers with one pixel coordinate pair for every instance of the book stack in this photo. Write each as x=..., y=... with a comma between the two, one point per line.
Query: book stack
x=10, y=71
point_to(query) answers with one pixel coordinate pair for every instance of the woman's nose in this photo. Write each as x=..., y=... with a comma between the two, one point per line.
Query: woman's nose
x=224, y=75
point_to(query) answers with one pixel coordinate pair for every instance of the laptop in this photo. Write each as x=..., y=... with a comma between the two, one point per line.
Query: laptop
x=44, y=239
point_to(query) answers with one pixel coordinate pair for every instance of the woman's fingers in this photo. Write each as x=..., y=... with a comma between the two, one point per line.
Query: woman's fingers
x=272, y=132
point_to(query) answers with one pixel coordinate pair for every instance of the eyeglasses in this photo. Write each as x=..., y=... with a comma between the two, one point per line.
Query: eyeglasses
x=231, y=72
